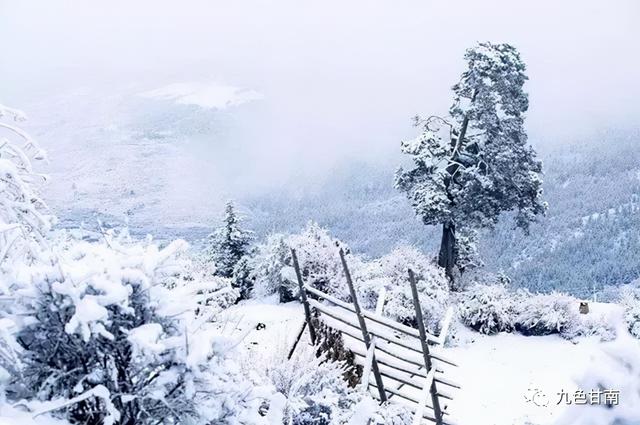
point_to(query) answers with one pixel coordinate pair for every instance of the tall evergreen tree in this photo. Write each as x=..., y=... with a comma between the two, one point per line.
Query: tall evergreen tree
x=475, y=164
x=229, y=243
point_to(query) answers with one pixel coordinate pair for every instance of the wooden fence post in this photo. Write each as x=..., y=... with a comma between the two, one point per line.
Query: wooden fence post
x=363, y=327
x=303, y=297
x=368, y=361
x=425, y=347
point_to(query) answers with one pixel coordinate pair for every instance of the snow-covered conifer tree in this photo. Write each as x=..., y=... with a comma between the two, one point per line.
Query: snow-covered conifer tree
x=228, y=243
x=475, y=164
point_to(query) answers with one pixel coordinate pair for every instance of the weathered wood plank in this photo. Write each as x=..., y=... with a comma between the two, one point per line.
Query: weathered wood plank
x=372, y=316
x=417, y=372
x=303, y=297
x=426, y=393
x=330, y=298
x=341, y=317
x=437, y=411
x=368, y=361
x=363, y=326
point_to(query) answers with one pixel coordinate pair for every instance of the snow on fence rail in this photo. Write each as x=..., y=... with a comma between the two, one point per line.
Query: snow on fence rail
x=405, y=368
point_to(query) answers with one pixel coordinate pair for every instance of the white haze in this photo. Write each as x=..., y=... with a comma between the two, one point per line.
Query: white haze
x=329, y=81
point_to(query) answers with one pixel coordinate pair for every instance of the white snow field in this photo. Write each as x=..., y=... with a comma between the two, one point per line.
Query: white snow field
x=207, y=95
x=506, y=379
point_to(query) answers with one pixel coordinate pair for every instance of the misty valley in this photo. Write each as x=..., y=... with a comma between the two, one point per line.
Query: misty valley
x=285, y=213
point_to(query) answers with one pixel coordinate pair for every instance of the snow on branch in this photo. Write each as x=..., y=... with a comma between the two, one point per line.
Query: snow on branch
x=23, y=214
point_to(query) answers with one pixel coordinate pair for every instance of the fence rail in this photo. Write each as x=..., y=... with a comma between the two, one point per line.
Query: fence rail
x=406, y=363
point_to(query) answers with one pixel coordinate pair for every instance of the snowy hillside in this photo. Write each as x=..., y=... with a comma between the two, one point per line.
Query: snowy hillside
x=319, y=213
x=512, y=379
x=142, y=157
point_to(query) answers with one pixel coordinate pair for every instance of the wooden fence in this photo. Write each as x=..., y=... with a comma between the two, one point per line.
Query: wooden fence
x=406, y=363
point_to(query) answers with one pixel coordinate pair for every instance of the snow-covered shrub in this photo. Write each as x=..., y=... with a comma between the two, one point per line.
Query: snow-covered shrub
x=370, y=412
x=319, y=261
x=212, y=294
x=194, y=279
x=267, y=263
x=391, y=272
x=630, y=300
x=488, y=309
x=590, y=325
x=318, y=258
x=615, y=368
x=24, y=221
x=10, y=354
x=314, y=389
x=315, y=393
x=545, y=314
x=243, y=278
x=108, y=336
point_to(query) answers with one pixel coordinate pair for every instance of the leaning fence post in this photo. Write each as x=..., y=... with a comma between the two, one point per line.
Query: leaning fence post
x=363, y=327
x=303, y=297
x=425, y=347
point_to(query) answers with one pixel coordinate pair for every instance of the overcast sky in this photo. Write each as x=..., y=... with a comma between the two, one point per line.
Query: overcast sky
x=339, y=78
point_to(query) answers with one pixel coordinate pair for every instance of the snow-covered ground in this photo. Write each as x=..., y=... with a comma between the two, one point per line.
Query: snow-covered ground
x=507, y=379
x=204, y=94
x=14, y=416
x=512, y=379
x=264, y=325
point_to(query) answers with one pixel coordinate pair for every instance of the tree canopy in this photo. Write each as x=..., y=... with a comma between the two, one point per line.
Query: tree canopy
x=475, y=164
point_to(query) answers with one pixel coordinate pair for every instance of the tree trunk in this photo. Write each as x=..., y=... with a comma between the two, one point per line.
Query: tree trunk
x=447, y=257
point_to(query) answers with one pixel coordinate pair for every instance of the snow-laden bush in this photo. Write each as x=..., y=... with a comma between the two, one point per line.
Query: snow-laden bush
x=630, y=300
x=313, y=392
x=318, y=258
x=391, y=272
x=319, y=261
x=615, y=368
x=194, y=280
x=370, y=412
x=11, y=363
x=243, y=278
x=557, y=313
x=108, y=334
x=267, y=264
x=590, y=325
x=24, y=221
x=314, y=389
x=488, y=309
x=545, y=314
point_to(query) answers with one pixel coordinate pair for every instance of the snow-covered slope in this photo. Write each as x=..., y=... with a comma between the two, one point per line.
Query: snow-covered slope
x=206, y=95
x=159, y=157
x=507, y=379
